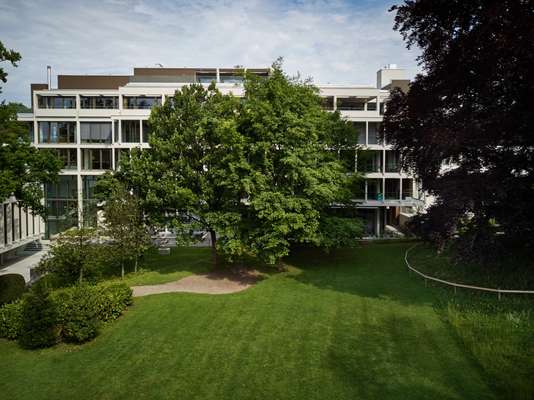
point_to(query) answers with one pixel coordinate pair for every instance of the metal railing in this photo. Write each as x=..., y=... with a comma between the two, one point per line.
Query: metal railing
x=461, y=285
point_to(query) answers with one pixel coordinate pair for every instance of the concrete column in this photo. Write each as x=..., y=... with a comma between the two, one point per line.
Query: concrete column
x=400, y=188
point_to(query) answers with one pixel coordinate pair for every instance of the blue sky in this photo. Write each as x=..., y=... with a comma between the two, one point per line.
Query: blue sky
x=332, y=41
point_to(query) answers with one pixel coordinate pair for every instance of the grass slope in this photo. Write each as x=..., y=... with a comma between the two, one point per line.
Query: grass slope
x=353, y=325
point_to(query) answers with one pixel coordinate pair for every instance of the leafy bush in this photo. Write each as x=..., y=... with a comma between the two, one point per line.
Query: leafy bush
x=71, y=314
x=113, y=300
x=39, y=320
x=11, y=320
x=12, y=287
x=77, y=313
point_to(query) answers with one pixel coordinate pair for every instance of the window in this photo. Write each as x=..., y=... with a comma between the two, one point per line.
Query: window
x=146, y=131
x=392, y=189
x=56, y=102
x=96, y=159
x=393, y=161
x=373, y=133
x=369, y=161
x=407, y=188
x=130, y=131
x=90, y=203
x=231, y=77
x=68, y=156
x=99, y=102
x=205, y=77
x=62, y=205
x=141, y=102
x=57, y=132
x=374, y=189
x=371, y=104
x=95, y=132
x=351, y=103
x=328, y=103
x=360, y=131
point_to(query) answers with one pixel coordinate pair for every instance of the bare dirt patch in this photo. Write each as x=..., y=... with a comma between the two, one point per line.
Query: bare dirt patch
x=222, y=282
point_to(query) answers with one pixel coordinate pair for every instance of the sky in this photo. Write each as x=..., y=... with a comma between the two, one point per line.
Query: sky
x=331, y=41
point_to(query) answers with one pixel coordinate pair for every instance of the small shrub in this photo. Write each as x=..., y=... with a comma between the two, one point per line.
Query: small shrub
x=113, y=300
x=12, y=287
x=77, y=313
x=38, y=320
x=11, y=320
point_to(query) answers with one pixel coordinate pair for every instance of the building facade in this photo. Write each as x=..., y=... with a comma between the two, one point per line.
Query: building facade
x=93, y=121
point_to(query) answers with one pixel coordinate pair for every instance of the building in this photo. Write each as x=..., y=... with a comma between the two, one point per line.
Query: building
x=92, y=120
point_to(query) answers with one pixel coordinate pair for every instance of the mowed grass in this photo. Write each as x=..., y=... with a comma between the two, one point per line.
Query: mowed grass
x=349, y=325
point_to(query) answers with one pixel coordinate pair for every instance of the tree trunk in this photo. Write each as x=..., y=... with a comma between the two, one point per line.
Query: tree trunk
x=81, y=274
x=214, y=255
x=135, y=264
x=122, y=269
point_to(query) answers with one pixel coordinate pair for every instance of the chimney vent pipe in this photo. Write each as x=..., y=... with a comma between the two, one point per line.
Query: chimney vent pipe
x=49, y=76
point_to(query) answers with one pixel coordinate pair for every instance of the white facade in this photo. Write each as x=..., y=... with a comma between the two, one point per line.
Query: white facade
x=86, y=159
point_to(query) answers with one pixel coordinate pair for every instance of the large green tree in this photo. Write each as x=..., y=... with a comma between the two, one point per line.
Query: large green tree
x=23, y=169
x=255, y=172
x=471, y=110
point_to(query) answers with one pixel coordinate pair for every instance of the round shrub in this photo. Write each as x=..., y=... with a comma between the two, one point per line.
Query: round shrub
x=11, y=320
x=12, y=287
x=77, y=308
x=39, y=320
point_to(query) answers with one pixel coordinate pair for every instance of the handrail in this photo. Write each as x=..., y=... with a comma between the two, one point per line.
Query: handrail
x=461, y=285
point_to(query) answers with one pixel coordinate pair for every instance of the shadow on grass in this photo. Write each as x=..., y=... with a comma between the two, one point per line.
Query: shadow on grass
x=375, y=271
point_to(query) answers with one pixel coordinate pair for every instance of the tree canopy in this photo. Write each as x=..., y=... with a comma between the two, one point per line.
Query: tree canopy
x=466, y=125
x=253, y=171
x=23, y=168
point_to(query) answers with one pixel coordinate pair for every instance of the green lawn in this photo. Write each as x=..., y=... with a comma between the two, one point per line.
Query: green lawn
x=353, y=325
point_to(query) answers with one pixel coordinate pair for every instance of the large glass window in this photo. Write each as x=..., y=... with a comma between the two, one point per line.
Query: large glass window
x=360, y=131
x=369, y=161
x=407, y=188
x=130, y=131
x=206, y=77
x=328, y=103
x=229, y=77
x=392, y=189
x=57, y=132
x=374, y=189
x=90, y=203
x=95, y=132
x=393, y=163
x=351, y=103
x=62, y=205
x=99, y=102
x=56, y=101
x=371, y=104
x=96, y=159
x=141, y=102
x=68, y=156
x=373, y=133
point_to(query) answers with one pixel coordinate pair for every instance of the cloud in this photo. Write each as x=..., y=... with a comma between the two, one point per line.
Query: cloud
x=331, y=41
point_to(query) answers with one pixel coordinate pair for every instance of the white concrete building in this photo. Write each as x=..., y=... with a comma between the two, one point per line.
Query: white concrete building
x=92, y=120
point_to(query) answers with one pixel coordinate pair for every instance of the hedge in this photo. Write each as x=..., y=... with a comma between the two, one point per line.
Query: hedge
x=78, y=311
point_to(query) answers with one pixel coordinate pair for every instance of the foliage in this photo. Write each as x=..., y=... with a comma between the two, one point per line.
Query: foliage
x=124, y=223
x=24, y=168
x=470, y=110
x=39, y=320
x=339, y=232
x=76, y=313
x=11, y=320
x=12, y=287
x=7, y=55
x=254, y=172
x=77, y=255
